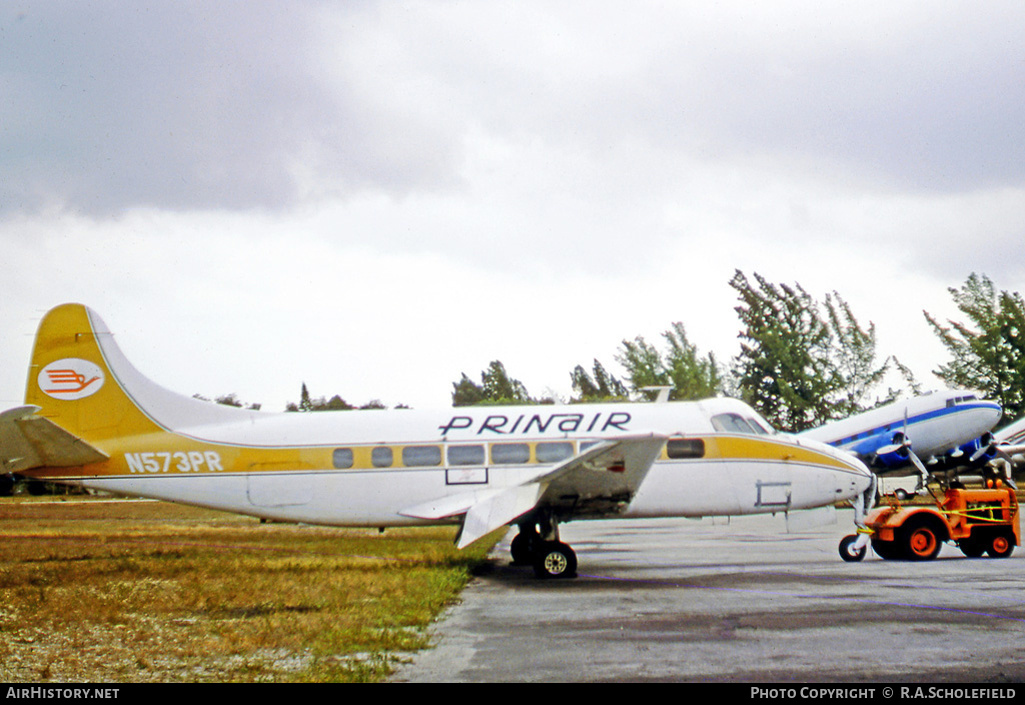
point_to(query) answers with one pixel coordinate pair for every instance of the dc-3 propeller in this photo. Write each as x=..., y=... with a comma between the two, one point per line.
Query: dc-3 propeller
x=901, y=446
x=988, y=449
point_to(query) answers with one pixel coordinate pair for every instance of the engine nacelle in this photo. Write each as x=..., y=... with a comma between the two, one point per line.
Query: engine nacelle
x=983, y=443
x=894, y=454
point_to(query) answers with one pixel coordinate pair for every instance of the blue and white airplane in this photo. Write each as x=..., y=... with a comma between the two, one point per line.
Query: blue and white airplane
x=949, y=429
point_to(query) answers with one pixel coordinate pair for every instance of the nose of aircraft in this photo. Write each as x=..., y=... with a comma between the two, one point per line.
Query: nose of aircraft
x=860, y=475
x=850, y=476
x=992, y=413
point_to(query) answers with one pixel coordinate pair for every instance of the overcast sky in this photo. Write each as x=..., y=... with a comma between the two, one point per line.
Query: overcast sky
x=375, y=197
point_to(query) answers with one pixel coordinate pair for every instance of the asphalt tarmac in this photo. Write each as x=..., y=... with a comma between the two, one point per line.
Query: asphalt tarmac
x=733, y=601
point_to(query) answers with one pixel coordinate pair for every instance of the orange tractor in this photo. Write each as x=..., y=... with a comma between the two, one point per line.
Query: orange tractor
x=977, y=520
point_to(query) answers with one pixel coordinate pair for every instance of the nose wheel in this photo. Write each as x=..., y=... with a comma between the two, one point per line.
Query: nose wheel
x=851, y=549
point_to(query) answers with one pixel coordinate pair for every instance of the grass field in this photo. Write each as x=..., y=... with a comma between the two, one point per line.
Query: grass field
x=136, y=591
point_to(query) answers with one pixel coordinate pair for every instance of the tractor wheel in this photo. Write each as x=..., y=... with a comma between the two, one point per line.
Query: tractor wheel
x=971, y=547
x=1000, y=546
x=920, y=539
x=887, y=550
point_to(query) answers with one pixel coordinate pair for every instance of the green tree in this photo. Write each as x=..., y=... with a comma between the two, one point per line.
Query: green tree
x=795, y=367
x=988, y=352
x=309, y=403
x=601, y=387
x=305, y=403
x=690, y=375
x=496, y=387
x=467, y=393
x=854, y=359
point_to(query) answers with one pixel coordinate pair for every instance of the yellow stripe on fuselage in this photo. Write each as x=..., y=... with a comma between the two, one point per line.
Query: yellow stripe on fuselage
x=170, y=453
x=740, y=447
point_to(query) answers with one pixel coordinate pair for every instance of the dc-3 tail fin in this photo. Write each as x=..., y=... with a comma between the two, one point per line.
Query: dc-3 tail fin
x=81, y=391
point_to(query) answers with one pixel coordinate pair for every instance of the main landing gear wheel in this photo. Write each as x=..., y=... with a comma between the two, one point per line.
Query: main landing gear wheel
x=524, y=546
x=847, y=550
x=554, y=559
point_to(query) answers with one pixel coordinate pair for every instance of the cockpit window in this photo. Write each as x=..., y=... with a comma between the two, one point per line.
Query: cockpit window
x=735, y=423
x=960, y=400
x=758, y=428
x=731, y=423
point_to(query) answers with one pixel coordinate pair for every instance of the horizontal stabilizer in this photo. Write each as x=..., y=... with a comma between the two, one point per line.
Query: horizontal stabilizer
x=28, y=441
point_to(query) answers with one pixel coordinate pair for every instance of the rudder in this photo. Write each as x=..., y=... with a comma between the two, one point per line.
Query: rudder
x=72, y=382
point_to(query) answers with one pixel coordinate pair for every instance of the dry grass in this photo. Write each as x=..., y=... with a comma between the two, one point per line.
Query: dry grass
x=133, y=591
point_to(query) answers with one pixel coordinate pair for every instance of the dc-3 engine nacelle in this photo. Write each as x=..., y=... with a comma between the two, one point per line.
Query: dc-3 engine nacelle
x=894, y=453
x=981, y=449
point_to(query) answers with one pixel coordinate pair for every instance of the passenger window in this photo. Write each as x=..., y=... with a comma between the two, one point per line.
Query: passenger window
x=553, y=452
x=381, y=457
x=421, y=456
x=510, y=453
x=466, y=455
x=341, y=458
x=685, y=448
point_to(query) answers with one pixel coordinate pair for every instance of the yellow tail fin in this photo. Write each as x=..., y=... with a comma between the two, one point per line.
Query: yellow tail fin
x=72, y=382
x=82, y=382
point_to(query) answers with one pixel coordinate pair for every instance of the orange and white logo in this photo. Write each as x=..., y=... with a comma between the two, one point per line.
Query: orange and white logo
x=70, y=379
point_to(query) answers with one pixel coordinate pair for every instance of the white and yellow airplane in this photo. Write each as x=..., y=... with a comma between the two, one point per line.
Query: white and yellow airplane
x=92, y=419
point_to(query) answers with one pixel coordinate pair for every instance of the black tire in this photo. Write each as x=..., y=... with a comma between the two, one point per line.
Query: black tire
x=555, y=560
x=1000, y=545
x=523, y=547
x=847, y=551
x=972, y=548
x=920, y=538
x=887, y=550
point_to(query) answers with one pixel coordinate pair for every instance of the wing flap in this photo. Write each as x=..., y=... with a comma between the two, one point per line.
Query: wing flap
x=498, y=511
x=28, y=441
x=483, y=511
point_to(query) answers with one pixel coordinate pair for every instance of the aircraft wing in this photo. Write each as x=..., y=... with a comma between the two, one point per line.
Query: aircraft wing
x=28, y=441
x=1011, y=441
x=601, y=480
x=604, y=478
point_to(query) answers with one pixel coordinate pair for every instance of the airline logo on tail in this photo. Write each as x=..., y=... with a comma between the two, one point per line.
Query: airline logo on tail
x=70, y=379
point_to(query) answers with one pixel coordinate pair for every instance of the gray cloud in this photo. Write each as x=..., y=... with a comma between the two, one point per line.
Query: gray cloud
x=181, y=105
x=194, y=105
x=531, y=137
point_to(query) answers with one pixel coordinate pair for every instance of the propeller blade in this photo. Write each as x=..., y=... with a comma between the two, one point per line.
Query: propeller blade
x=918, y=464
x=886, y=450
